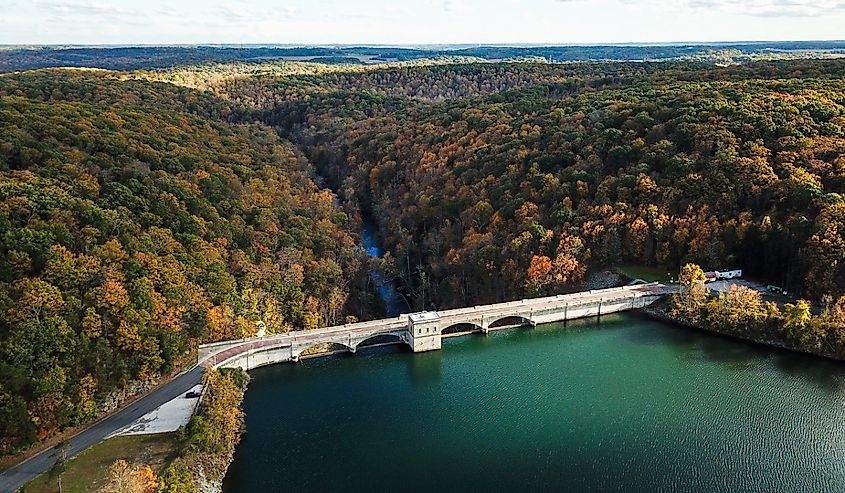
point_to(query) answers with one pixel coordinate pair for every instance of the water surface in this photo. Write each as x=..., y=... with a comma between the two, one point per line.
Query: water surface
x=626, y=405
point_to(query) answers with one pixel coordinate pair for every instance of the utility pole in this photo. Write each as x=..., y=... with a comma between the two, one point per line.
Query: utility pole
x=60, y=465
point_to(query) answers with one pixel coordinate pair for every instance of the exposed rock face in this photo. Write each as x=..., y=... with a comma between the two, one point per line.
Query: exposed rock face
x=115, y=399
x=603, y=279
x=208, y=485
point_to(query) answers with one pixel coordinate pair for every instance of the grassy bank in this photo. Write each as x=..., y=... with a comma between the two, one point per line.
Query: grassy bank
x=89, y=471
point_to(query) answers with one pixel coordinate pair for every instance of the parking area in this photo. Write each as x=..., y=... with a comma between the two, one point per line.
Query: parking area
x=166, y=418
x=724, y=285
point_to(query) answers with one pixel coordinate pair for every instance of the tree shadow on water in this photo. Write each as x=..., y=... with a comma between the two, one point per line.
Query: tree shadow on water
x=697, y=344
x=739, y=354
x=825, y=373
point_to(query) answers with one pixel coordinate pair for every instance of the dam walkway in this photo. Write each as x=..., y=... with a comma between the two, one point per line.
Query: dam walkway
x=424, y=331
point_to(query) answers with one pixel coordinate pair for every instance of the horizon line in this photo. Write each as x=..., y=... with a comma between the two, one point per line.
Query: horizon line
x=417, y=46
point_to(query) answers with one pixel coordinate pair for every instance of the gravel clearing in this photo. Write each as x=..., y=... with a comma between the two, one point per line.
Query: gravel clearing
x=166, y=418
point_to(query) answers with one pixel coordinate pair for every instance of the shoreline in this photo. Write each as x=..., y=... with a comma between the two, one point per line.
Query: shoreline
x=660, y=315
x=205, y=464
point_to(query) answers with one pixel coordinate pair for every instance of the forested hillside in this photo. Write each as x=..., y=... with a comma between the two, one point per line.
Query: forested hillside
x=135, y=223
x=142, y=213
x=585, y=166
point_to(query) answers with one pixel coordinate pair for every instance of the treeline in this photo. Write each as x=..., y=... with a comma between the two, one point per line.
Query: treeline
x=653, y=164
x=266, y=85
x=134, y=226
x=103, y=89
x=163, y=57
x=210, y=438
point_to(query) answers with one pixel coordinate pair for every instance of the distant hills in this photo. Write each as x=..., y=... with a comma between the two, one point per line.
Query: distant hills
x=156, y=57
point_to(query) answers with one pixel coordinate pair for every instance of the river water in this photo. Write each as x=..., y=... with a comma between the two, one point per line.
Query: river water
x=628, y=404
x=394, y=302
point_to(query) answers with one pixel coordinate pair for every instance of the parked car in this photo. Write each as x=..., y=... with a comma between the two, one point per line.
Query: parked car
x=192, y=395
x=775, y=289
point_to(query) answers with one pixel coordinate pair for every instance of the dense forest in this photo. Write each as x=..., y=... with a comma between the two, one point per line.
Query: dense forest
x=133, y=228
x=538, y=174
x=144, y=212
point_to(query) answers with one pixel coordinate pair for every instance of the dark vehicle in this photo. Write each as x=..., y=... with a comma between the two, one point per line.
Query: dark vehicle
x=776, y=289
x=192, y=395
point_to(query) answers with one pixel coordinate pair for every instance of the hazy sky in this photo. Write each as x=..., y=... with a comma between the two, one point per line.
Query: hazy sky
x=415, y=21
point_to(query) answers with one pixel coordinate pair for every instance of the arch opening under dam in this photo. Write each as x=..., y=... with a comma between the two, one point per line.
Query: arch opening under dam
x=323, y=348
x=461, y=328
x=509, y=322
x=379, y=340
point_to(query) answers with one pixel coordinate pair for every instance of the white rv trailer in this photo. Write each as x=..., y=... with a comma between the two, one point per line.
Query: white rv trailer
x=719, y=275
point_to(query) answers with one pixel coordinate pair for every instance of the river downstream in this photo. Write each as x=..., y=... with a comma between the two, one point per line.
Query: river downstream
x=629, y=404
x=394, y=302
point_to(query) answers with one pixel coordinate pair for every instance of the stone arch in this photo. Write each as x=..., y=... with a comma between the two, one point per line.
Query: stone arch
x=306, y=350
x=385, y=338
x=461, y=327
x=510, y=321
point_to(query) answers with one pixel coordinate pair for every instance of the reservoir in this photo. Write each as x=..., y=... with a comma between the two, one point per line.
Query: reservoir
x=625, y=404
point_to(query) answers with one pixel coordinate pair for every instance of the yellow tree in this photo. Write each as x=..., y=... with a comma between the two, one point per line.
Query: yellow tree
x=740, y=308
x=797, y=318
x=837, y=312
x=693, y=294
x=538, y=274
x=691, y=273
x=124, y=478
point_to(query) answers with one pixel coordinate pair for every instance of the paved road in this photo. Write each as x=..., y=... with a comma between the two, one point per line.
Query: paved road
x=13, y=479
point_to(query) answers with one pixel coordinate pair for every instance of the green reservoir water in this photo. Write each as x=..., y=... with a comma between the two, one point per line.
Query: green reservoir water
x=629, y=404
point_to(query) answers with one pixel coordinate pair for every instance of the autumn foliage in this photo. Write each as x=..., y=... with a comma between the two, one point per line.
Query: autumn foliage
x=135, y=223
x=655, y=164
x=142, y=213
x=124, y=478
x=211, y=435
